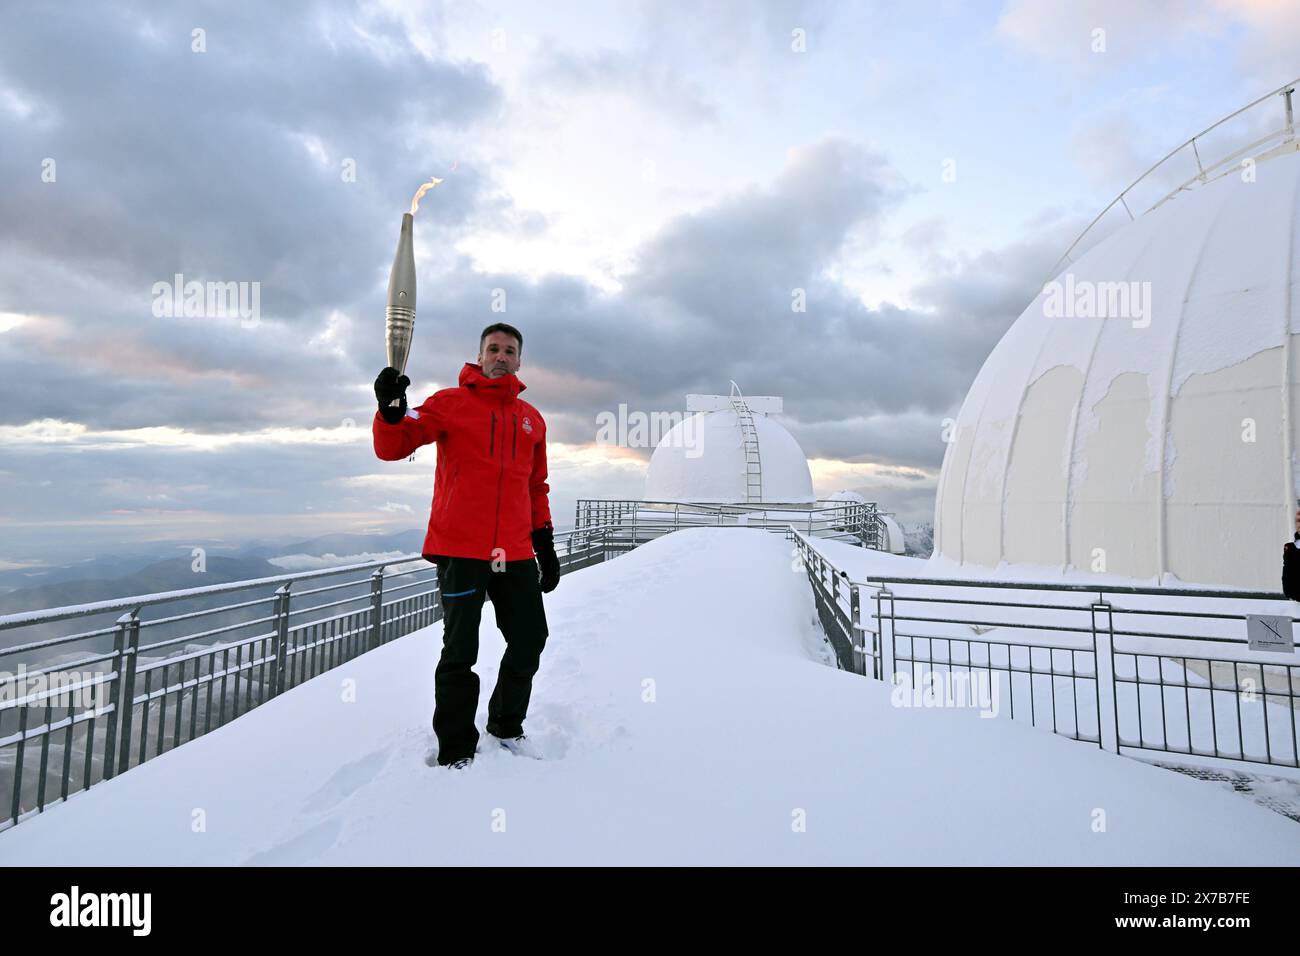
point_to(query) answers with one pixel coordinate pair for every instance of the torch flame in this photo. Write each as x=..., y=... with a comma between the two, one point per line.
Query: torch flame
x=419, y=193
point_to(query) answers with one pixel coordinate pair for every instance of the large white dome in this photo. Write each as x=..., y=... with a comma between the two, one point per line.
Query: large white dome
x=702, y=458
x=1145, y=446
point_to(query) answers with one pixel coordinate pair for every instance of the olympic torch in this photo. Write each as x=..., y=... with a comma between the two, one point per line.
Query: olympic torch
x=400, y=318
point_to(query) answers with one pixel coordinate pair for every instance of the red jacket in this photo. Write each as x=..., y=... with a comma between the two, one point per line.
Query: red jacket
x=489, y=489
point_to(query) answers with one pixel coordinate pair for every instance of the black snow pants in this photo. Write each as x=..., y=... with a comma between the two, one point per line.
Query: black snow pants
x=517, y=600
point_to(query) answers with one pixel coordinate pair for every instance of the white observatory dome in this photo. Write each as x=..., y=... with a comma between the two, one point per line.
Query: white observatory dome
x=1157, y=441
x=702, y=458
x=847, y=495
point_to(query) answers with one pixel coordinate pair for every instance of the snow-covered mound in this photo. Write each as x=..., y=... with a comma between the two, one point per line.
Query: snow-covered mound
x=686, y=716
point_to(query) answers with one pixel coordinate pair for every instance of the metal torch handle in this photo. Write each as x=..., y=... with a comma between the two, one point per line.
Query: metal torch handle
x=400, y=324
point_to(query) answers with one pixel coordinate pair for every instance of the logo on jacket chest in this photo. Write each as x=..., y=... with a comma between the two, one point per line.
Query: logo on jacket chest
x=528, y=424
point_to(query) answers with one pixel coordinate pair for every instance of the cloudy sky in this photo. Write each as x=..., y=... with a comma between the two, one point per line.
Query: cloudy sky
x=648, y=183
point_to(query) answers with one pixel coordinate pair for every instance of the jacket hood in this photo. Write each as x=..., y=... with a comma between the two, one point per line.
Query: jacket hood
x=471, y=376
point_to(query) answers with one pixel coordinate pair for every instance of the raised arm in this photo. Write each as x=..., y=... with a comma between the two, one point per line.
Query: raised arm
x=397, y=430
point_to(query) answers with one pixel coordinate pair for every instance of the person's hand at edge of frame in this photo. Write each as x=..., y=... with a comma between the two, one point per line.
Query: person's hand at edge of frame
x=548, y=562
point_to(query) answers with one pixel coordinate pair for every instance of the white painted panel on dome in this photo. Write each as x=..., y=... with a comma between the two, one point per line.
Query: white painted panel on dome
x=786, y=476
x=1247, y=240
x=1225, y=492
x=699, y=459
x=1230, y=545
x=1008, y=368
x=1034, y=503
x=1250, y=320
x=703, y=459
x=948, y=502
x=1165, y=248
x=981, y=525
x=1138, y=347
x=1293, y=413
x=1114, y=504
x=1236, y=305
x=1072, y=337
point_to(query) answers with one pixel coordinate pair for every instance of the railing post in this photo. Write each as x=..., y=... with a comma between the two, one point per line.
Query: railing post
x=1200, y=172
x=281, y=639
x=376, y=607
x=887, y=667
x=855, y=623
x=114, y=688
x=131, y=622
x=1103, y=648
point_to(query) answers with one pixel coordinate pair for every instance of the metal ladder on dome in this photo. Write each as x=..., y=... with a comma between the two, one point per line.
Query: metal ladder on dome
x=753, y=460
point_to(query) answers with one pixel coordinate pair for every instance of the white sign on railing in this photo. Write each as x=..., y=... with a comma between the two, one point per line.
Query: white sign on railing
x=1268, y=632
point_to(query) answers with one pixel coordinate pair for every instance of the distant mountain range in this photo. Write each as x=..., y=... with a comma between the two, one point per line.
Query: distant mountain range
x=109, y=576
x=918, y=539
x=104, y=577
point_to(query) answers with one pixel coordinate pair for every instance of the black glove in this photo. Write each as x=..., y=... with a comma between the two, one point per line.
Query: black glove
x=547, y=562
x=391, y=386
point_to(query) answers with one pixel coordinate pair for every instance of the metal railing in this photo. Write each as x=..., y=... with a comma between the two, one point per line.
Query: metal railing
x=634, y=521
x=1275, y=137
x=130, y=682
x=1133, y=670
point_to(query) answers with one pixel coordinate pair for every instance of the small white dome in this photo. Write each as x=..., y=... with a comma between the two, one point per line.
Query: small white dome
x=702, y=458
x=848, y=496
x=896, y=541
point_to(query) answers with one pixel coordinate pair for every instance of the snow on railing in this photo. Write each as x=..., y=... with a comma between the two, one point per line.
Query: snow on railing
x=1192, y=675
x=859, y=522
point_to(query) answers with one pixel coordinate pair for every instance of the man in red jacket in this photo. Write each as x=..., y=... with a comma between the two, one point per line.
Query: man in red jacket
x=490, y=515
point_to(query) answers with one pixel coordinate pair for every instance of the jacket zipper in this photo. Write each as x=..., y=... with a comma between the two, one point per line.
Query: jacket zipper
x=451, y=492
x=492, y=436
x=514, y=435
x=500, y=475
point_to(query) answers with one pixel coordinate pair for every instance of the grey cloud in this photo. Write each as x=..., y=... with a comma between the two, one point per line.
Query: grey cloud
x=175, y=161
x=746, y=35
x=739, y=252
x=710, y=300
x=162, y=170
x=170, y=161
x=652, y=83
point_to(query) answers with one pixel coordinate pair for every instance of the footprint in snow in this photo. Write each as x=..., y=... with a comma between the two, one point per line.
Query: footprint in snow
x=346, y=781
